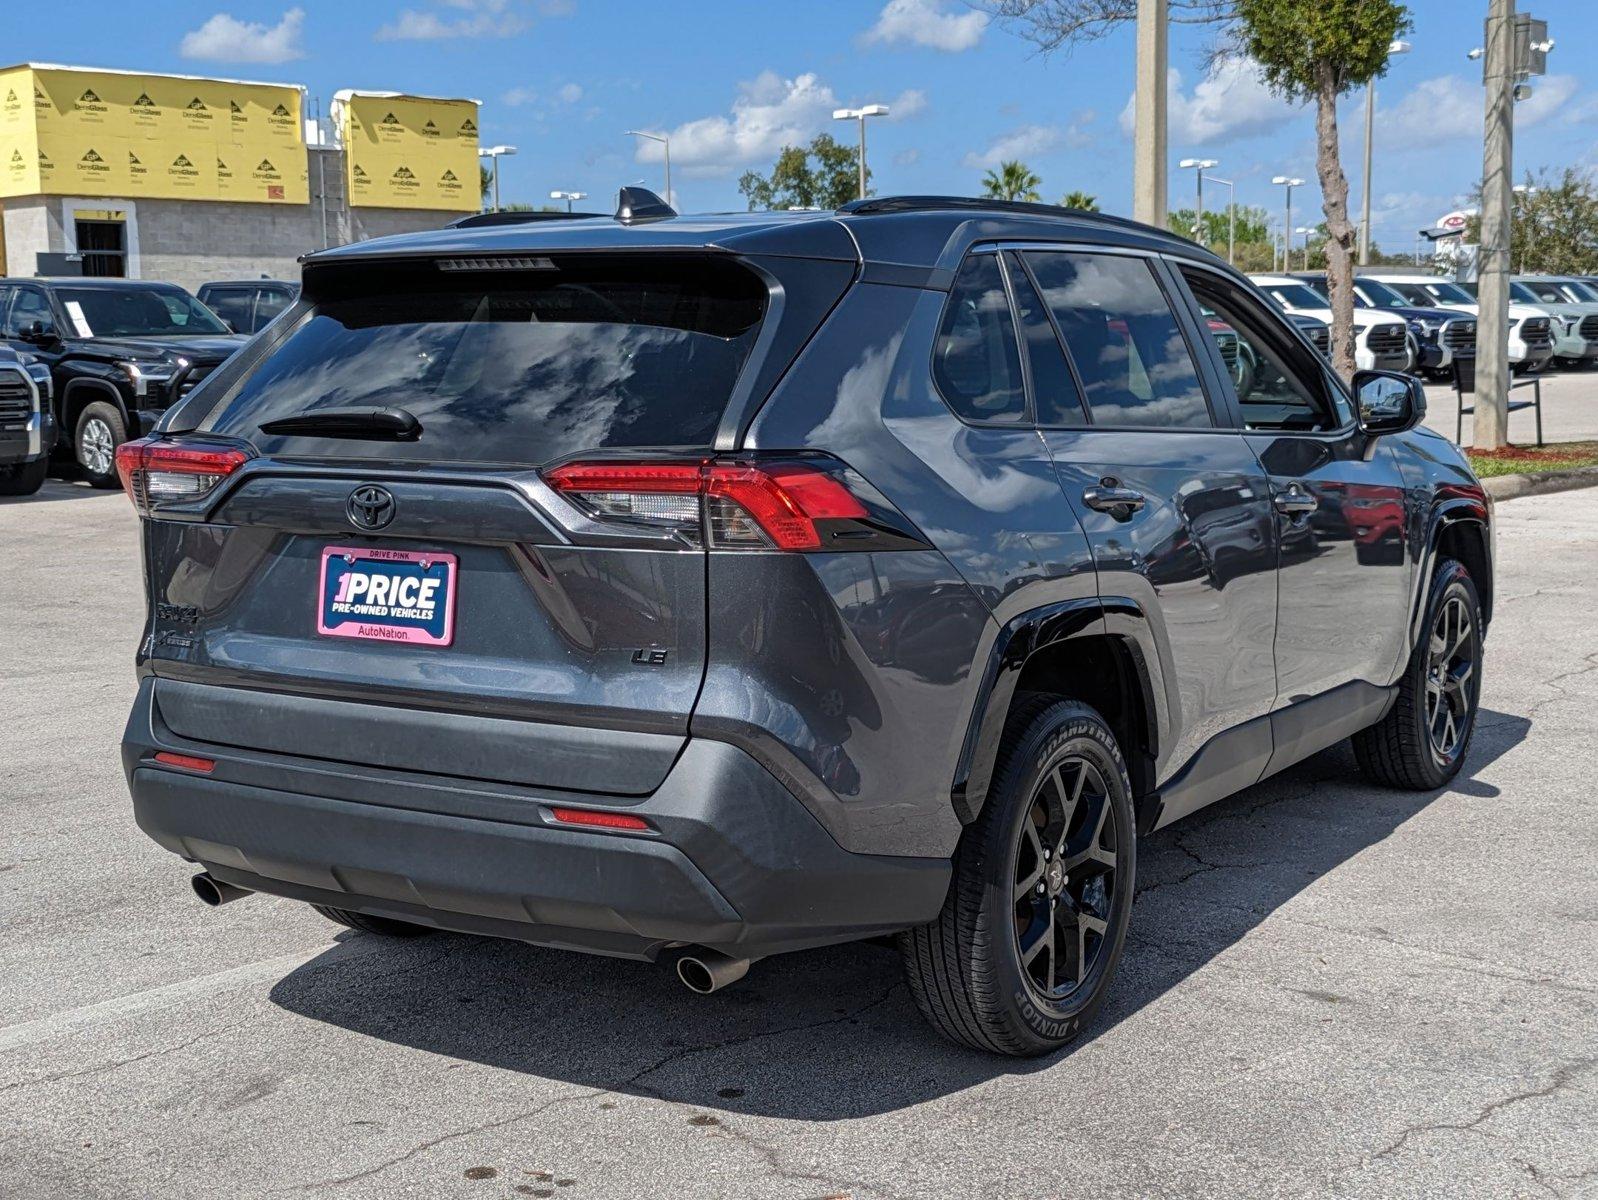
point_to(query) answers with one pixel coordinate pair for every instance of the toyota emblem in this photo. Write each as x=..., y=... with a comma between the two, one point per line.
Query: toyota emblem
x=370, y=507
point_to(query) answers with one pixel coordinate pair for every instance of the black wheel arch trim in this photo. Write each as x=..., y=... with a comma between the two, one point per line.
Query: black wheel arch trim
x=99, y=389
x=1116, y=617
x=1462, y=508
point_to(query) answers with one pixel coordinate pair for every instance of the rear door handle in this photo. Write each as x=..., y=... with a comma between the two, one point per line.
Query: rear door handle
x=1119, y=502
x=1295, y=501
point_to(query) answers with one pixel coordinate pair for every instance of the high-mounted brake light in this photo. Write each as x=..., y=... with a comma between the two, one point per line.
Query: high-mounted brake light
x=745, y=506
x=155, y=471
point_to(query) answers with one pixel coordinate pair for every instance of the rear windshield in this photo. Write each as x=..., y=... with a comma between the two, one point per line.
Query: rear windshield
x=517, y=367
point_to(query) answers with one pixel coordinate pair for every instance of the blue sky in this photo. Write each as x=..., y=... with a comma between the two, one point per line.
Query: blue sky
x=732, y=82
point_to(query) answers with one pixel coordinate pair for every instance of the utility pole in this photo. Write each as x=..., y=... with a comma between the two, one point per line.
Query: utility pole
x=1370, y=128
x=1516, y=48
x=1148, y=147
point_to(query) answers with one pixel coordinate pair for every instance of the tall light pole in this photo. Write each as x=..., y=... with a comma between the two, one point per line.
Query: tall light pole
x=1148, y=111
x=860, y=114
x=1199, y=165
x=1289, y=182
x=1306, y=231
x=665, y=141
x=495, y=153
x=568, y=197
x=1231, y=217
x=1370, y=127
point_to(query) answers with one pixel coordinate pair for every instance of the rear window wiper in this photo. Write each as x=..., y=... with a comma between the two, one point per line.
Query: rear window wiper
x=371, y=423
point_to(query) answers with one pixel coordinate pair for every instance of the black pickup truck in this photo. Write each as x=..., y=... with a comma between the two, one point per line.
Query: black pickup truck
x=118, y=351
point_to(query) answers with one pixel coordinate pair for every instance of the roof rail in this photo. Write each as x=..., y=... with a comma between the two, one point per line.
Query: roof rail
x=902, y=204
x=514, y=217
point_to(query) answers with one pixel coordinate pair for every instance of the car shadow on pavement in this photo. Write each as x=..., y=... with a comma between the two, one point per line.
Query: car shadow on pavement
x=57, y=489
x=832, y=1034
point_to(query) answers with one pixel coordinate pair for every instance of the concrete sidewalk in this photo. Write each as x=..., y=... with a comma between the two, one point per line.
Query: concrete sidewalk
x=1570, y=409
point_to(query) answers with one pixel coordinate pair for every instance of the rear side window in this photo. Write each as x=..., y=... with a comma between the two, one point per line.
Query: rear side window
x=232, y=305
x=976, y=364
x=517, y=367
x=1122, y=336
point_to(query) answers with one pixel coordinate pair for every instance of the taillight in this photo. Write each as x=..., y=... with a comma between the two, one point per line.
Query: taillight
x=155, y=472
x=739, y=505
x=598, y=820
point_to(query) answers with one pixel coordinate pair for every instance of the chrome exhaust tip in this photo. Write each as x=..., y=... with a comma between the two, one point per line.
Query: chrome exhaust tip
x=706, y=971
x=214, y=892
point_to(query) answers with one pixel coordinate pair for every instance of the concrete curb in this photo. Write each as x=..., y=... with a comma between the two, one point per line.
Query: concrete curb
x=1508, y=487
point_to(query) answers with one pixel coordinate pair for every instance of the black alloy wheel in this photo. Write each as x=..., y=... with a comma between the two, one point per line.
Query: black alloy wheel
x=1451, y=678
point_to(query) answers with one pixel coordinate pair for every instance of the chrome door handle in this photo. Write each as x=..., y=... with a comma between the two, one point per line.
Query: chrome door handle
x=1119, y=502
x=1295, y=501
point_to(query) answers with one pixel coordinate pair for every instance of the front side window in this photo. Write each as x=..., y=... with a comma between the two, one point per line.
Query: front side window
x=976, y=364
x=1278, y=384
x=1119, y=330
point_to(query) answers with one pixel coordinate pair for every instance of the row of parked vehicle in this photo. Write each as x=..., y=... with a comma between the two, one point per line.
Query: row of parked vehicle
x=1423, y=324
x=87, y=364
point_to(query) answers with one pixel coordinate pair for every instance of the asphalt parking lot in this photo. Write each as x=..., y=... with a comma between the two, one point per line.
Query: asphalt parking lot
x=1331, y=989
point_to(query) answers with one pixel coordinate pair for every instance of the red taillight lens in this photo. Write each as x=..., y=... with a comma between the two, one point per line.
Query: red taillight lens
x=745, y=505
x=601, y=820
x=155, y=471
x=186, y=762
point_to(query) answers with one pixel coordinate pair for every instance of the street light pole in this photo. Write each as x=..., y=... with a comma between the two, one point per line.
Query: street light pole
x=1306, y=231
x=494, y=154
x=1288, y=182
x=665, y=141
x=1370, y=126
x=860, y=114
x=568, y=197
x=1231, y=217
x=1200, y=165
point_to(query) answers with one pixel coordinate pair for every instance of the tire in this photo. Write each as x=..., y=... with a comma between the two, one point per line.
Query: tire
x=23, y=479
x=98, y=424
x=966, y=969
x=386, y=926
x=1422, y=741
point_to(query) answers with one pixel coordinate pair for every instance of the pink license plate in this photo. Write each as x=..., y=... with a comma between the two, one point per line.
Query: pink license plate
x=387, y=595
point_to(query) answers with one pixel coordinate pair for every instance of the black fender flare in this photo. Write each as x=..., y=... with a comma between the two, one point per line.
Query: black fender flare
x=1457, y=506
x=72, y=405
x=1021, y=637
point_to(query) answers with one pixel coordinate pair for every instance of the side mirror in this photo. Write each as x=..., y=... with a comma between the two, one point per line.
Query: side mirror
x=37, y=333
x=1389, y=402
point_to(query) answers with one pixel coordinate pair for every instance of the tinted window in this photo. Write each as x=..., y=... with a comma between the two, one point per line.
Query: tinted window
x=1450, y=293
x=268, y=305
x=1293, y=296
x=1417, y=294
x=1122, y=337
x=1278, y=384
x=232, y=305
x=513, y=367
x=976, y=364
x=1537, y=292
x=136, y=312
x=28, y=307
x=1581, y=293
x=1054, y=392
x=1378, y=295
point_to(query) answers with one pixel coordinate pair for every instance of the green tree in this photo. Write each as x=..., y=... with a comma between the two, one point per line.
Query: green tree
x=1318, y=53
x=1554, y=227
x=486, y=178
x=1252, y=226
x=1309, y=52
x=1082, y=201
x=824, y=174
x=1013, y=180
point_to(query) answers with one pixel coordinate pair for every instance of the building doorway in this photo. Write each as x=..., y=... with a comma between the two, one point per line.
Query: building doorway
x=103, y=242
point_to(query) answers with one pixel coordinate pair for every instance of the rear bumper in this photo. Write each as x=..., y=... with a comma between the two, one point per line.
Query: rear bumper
x=734, y=863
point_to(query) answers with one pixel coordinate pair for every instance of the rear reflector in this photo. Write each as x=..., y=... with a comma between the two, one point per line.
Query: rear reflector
x=604, y=820
x=746, y=506
x=186, y=762
x=155, y=471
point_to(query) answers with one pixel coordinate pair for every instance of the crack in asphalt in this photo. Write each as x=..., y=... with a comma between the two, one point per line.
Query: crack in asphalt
x=635, y=1081
x=103, y=1068
x=1556, y=682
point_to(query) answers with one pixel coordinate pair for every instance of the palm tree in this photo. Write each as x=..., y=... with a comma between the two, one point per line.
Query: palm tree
x=1080, y=200
x=1013, y=180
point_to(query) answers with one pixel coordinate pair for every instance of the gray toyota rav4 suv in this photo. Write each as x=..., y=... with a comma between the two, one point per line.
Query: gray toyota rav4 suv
x=702, y=588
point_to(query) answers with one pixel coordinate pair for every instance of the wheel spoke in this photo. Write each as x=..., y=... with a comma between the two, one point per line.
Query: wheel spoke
x=1027, y=886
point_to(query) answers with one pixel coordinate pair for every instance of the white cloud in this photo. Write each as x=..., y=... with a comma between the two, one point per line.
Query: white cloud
x=1230, y=102
x=481, y=18
x=770, y=112
x=1451, y=106
x=518, y=96
x=1028, y=141
x=909, y=103
x=907, y=158
x=224, y=38
x=571, y=93
x=927, y=23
